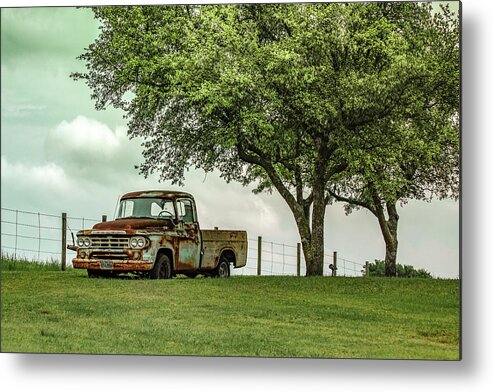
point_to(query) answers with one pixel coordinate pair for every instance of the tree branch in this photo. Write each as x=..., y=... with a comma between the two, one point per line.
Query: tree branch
x=299, y=185
x=257, y=159
x=335, y=170
x=380, y=214
x=353, y=201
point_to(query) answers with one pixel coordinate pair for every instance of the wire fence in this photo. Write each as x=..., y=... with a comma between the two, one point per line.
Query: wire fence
x=40, y=236
x=286, y=259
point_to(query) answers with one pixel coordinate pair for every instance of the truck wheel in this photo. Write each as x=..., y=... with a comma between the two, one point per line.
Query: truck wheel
x=222, y=269
x=162, y=268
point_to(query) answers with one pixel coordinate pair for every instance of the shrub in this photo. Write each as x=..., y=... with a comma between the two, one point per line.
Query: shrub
x=403, y=271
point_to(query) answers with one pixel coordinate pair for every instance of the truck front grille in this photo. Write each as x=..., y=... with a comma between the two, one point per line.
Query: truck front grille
x=106, y=242
x=108, y=256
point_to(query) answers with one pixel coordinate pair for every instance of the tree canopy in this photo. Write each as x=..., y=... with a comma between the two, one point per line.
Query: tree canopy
x=421, y=160
x=292, y=97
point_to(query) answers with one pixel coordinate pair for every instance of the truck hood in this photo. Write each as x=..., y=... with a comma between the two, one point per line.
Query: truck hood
x=133, y=224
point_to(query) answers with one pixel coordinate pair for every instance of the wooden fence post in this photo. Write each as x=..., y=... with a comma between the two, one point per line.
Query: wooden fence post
x=298, y=259
x=104, y=218
x=64, y=241
x=259, y=256
x=334, y=263
x=367, y=268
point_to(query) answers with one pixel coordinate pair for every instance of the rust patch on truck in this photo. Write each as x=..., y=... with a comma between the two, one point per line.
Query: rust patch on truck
x=132, y=225
x=156, y=193
x=119, y=267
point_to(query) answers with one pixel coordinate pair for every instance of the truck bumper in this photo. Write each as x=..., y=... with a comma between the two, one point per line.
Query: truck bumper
x=112, y=265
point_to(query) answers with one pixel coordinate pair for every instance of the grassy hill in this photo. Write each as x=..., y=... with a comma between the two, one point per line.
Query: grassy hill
x=65, y=312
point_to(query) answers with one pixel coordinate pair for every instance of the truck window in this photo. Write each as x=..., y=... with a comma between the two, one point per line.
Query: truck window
x=185, y=210
x=163, y=209
x=146, y=208
x=126, y=208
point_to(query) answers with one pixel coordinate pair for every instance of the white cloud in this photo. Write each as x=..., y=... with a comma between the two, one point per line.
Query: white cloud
x=85, y=134
x=91, y=151
x=231, y=205
x=42, y=188
x=36, y=176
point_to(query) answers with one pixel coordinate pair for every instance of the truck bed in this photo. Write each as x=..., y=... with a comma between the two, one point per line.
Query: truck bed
x=214, y=242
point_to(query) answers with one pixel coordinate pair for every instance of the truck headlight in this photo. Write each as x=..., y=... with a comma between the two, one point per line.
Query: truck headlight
x=137, y=242
x=84, y=242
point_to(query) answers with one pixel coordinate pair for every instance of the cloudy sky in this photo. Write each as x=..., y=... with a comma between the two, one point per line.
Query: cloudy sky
x=59, y=154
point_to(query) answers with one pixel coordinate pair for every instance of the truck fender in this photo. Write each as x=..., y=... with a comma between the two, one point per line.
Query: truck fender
x=229, y=254
x=168, y=252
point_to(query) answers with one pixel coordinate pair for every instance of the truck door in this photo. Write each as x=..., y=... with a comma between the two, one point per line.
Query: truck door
x=189, y=236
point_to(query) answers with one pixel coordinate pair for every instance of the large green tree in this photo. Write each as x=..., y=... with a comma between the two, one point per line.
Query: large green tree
x=286, y=96
x=421, y=159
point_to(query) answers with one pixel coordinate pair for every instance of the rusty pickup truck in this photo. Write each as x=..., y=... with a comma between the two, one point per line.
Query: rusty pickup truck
x=156, y=234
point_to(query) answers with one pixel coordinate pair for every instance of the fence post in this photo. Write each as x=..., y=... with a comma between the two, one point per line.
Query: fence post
x=104, y=218
x=259, y=256
x=16, y=224
x=298, y=259
x=334, y=262
x=367, y=268
x=64, y=241
x=39, y=235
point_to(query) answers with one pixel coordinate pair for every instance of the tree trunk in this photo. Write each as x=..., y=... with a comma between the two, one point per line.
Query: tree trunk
x=312, y=238
x=390, y=237
x=388, y=228
x=316, y=265
x=302, y=219
x=306, y=239
x=391, y=257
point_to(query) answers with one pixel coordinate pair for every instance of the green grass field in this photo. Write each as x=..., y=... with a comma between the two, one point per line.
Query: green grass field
x=65, y=312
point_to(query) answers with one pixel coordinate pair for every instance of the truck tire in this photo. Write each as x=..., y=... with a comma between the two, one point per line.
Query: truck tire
x=222, y=270
x=162, y=268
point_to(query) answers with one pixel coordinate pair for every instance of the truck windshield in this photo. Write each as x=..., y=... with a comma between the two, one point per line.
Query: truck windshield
x=146, y=207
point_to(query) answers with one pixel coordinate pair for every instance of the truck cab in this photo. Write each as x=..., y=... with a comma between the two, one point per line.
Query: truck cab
x=157, y=234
